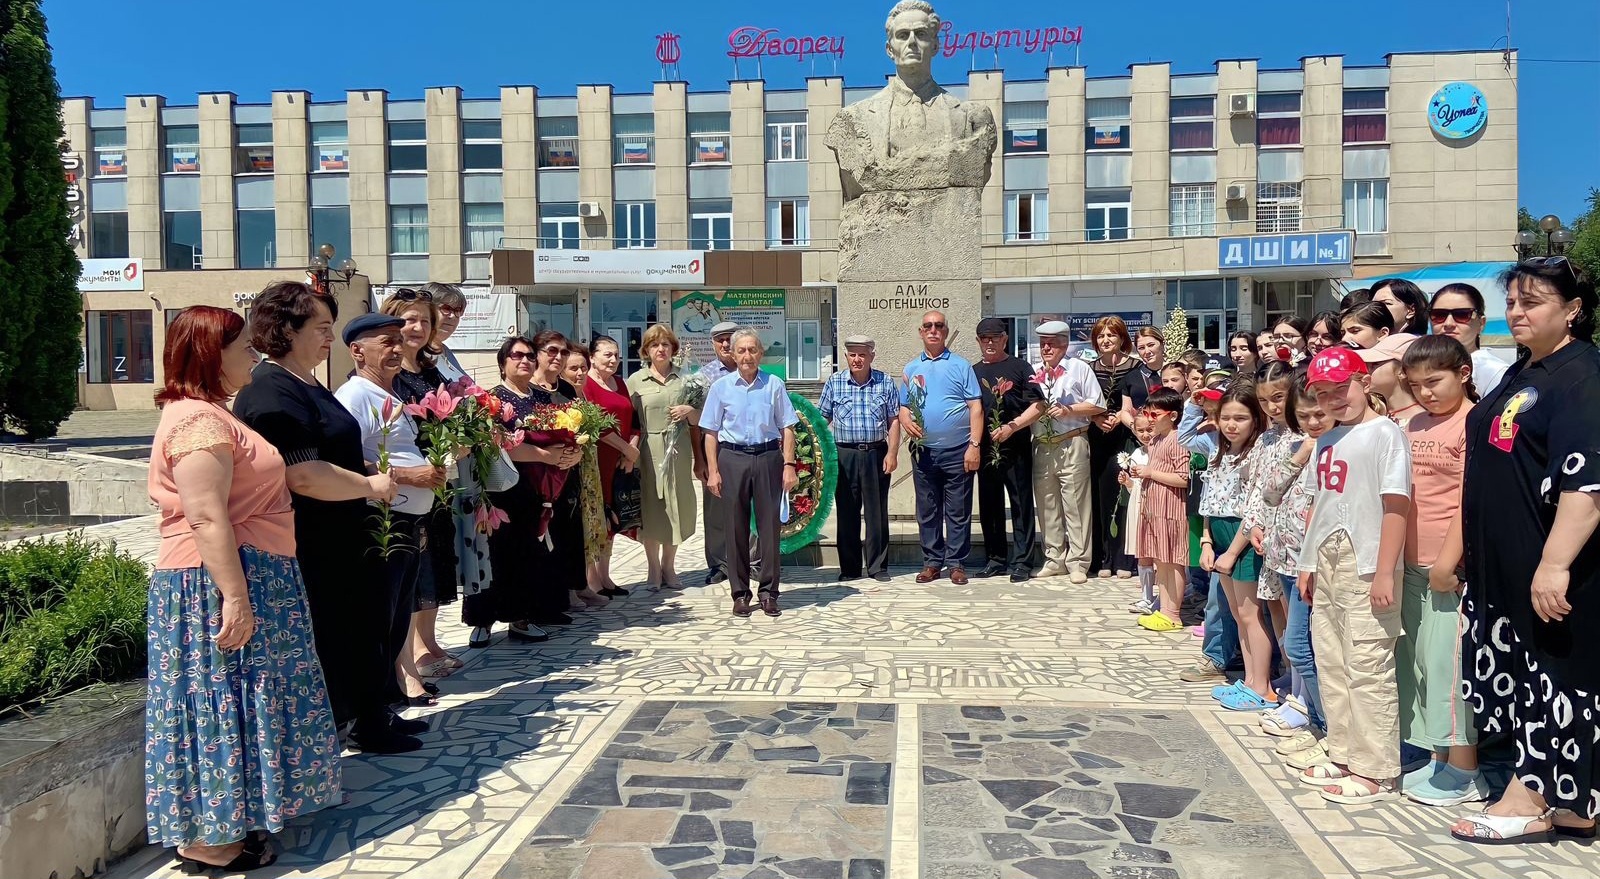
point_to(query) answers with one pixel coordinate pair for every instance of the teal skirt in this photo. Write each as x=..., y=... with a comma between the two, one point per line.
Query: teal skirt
x=1223, y=530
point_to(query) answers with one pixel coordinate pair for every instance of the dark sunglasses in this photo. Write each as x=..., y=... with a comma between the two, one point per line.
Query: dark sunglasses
x=933, y=325
x=519, y=355
x=1461, y=315
x=1542, y=261
x=406, y=294
x=451, y=311
x=554, y=351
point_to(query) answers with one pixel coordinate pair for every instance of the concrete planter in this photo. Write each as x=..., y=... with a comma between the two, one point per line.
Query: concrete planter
x=72, y=783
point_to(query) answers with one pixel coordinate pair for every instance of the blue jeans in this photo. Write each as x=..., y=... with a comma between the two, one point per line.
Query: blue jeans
x=1297, y=649
x=1199, y=582
x=944, y=505
x=1222, y=632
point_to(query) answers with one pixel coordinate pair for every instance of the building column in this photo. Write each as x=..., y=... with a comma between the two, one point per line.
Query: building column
x=144, y=178
x=519, y=152
x=1066, y=126
x=217, y=196
x=747, y=101
x=1236, y=149
x=595, y=183
x=988, y=87
x=671, y=102
x=443, y=114
x=1322, y=142
x=1152, y=165
x=365, y=116
x=824, y=100
x=291, y=163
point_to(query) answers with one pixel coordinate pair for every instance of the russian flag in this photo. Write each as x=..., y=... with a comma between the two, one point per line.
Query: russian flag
x=185, y=162
x=713, y=151
x=1108, y=137
x=261, y=160
x=333, y=161
x=1025, y=139
x=636, y=153
x=113, y=163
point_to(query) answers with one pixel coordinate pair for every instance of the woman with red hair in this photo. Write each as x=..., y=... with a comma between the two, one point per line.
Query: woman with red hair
x=238, y=735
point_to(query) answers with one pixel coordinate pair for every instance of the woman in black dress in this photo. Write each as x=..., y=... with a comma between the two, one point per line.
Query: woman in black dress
x=1530, y=506
x=532, y=579
x=292, y=326
x=1114, y=348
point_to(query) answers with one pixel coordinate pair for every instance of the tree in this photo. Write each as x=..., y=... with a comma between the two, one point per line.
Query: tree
x=41, y=312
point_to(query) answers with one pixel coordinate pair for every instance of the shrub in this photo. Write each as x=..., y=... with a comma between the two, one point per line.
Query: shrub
x=74, y=614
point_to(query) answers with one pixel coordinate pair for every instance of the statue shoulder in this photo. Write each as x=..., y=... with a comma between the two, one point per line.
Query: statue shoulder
x=980, y=114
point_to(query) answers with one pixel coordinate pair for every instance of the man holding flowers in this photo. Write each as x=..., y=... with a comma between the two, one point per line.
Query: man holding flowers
x=1012, y=403
x=1072, y=396
x=941, y=410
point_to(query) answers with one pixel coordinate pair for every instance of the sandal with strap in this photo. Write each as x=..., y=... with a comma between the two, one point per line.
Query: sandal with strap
x=1505, y=830
x=255, y=855
x=1353, y=791
x=1320, y=774
x=1243, y=698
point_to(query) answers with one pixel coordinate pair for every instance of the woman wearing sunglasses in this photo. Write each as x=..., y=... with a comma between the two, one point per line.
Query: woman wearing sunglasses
x=1457, y=311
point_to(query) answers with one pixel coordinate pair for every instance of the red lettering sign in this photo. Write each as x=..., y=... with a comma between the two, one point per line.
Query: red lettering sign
x=752, y=42
x=1030, y=40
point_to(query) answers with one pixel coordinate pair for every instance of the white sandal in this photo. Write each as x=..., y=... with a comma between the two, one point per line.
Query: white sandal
x=1352, y=791
x=1322, y=774
x=1505, y=830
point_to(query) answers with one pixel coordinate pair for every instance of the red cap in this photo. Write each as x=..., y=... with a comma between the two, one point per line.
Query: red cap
x=1335, y=365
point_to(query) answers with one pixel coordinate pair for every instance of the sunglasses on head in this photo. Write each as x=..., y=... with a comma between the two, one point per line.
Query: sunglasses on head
x=1542, y=261
x=933, y=325
x=1460, y=315
x=406, y=294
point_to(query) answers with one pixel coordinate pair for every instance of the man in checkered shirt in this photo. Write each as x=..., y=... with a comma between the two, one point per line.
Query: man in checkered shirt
x=863, y=407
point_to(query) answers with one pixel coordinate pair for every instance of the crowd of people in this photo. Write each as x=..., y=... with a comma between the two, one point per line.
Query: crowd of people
x=1389, y=517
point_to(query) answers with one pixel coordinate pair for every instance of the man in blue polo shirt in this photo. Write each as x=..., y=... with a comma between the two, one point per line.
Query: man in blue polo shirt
x=941, y=392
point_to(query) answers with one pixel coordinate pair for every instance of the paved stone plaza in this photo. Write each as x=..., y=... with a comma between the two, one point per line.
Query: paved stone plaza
x=993, y=731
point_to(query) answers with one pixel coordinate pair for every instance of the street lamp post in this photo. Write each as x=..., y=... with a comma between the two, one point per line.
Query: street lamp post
x=322, y=267
x=1557, y=238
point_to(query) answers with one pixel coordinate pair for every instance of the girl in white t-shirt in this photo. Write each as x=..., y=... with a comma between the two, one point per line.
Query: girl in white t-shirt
x=1350, y=569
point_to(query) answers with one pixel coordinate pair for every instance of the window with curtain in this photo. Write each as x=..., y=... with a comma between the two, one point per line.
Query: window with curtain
x=1278, y=119
x=558, y=142
x=1107, y=123
x=709, y=138
x=1193, y=123
x=1027, y=216
x=183, y=149
x=786, y=136
x=110, y=151
x=1192, y=208
x=634, y=139
x=253, y=155
x=408, y=229
x=1366, y=116
x=485, y=226
x=636, y=225
x=330, y=146
x=121, y=347
x=1366, y=206
x=1027, y=127
x=1278, y=207
x=789, y=222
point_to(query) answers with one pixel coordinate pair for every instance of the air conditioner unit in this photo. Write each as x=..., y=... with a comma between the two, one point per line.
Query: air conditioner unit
x=588, y=209
x=1236, y=192
x=1242, y=104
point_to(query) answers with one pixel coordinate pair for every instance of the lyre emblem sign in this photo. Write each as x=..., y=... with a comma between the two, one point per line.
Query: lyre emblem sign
x=668, y=51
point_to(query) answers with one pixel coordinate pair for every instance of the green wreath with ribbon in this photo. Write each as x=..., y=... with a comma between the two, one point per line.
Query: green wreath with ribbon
x=817, y=463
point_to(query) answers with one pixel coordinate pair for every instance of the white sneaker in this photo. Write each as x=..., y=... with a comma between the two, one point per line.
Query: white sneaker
x=1312, y=756
x=1141, y=607
x=1052, y=570
x=1296, y=743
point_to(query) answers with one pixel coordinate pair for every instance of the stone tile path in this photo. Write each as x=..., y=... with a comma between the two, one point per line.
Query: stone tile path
x=524, y=733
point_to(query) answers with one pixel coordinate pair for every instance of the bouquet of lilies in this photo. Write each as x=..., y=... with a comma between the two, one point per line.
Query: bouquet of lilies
x=696, y=385
x=999, y=389
x=1043, y=378
x=384, y=535
x=916, y=396
x=459, y=419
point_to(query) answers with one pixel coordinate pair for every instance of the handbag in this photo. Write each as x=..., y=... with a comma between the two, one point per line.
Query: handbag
x=502, y=474
x=625, y=507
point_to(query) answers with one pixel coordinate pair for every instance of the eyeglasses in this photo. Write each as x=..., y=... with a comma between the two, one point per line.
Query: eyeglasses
x=519, y=355
x=933, y=325
x=451, y=311
x=1459, y=315
x=406, y=294
x=1542, y=261
x=555, y=351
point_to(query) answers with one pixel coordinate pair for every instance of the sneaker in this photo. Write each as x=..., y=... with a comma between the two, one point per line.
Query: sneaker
x=1198, y=631
x=1202, y=671
x=1450, y=786
x=1311, y=756
x=1159, y=622
x=1285, y=721
x=1298, y=742
x=1141, y=607
x=1413, y=757
x=1421, y=775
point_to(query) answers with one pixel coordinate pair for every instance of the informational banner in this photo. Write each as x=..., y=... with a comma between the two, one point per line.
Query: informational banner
x=663, y=268
x=489, y=318
x=695, y=312
x=1082, y=329
x=1293, y=250
x=111, y=275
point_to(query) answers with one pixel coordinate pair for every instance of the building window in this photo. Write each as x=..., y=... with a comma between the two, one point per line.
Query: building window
x=1366, y=206
x=108, y=234
x=1108, y=124
x=709, y=135
x=408, y=146
x=804, y=349
x=559, y=226
x=1278, y=119
x=485, y=226
x=1192, y=208
x=1193, y=125
x=634, y=139
x=183, y=149
x=331, y=225
x=1027, y=127
x=408, y=229
x=180, y=245
x=1212, y=306
x=1106, y=214
x=1278, y=207
x=1027, y=216
x=1366, y=116
x=789, y=222
x=786, y=137
x=1286, y=299
x=254, y=152
x=110, y=151
x=330, y=146
x=710, y=225
x=480, y=145
x=257, y=232
x=121, y=347
x=558, y=142
x=636, y=225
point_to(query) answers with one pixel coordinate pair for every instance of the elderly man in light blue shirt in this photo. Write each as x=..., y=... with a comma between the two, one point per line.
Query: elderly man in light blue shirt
x=716, y=542
x=749, y=444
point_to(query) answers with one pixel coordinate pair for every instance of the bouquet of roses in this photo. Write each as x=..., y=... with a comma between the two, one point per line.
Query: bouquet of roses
x=999, y=389
x=551, y=425
x=462, y=416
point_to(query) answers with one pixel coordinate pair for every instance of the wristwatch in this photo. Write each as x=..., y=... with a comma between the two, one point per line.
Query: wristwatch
x=976, y=444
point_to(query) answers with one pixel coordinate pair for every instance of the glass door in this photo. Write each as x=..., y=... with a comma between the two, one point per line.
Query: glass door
x=630, y=338
x=624, y=315
x=1207, y=331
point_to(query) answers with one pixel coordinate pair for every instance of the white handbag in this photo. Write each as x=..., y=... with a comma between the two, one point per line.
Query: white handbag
x=503, y=473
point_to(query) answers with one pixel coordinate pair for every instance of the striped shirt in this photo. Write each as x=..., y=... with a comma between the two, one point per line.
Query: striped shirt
x=860, y=413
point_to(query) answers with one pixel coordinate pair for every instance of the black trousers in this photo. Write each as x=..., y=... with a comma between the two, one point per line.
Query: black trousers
x=716, y=540
x=751, y=482
x=1106, y=551
x=1012, y=478
x=862, y=494
x=397, y=573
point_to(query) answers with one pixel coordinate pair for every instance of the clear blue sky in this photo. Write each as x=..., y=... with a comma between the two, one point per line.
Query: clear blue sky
x=405, y=46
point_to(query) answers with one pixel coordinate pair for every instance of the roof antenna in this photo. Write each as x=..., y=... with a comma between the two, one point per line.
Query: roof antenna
x=1506, y=58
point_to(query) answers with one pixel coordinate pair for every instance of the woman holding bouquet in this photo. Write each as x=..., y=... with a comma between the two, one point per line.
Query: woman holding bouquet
x=533, y=576
x=667, y=462
x=619, y=450
x=591, y=505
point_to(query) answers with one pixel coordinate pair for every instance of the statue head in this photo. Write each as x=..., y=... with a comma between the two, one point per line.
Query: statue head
x=913, y=38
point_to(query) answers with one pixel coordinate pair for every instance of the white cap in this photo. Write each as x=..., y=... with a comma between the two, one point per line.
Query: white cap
x=1053, y=328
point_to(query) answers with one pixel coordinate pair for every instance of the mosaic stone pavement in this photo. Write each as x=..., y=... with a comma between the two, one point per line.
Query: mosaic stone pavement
x=524, y=729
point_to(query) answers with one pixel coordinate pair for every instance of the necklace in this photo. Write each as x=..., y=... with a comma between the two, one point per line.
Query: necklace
x=310, y=381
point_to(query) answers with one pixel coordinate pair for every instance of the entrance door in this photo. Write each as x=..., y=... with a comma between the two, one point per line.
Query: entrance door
x=1208, y=331
x=630, y=337
x=624, y=315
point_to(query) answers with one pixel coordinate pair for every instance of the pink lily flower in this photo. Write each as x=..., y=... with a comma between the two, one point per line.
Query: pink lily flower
x=436, y=405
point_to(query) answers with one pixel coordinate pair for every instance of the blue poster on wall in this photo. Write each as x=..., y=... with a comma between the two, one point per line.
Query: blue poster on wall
x=1458, y=110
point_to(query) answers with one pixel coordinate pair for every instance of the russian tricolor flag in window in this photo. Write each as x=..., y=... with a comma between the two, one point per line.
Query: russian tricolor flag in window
x=636, y=153
x=713, y=151
x=1027, y=139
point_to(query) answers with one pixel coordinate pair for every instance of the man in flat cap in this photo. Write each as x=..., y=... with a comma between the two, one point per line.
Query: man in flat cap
x=711, y=506
x=863, y=407
x=1072, y=396
x=1012, y=399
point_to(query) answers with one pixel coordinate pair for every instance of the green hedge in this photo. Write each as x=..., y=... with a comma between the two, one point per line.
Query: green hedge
x=72, y=613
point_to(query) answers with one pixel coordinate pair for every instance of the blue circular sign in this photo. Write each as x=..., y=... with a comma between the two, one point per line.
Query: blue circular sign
x=1458, y=110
